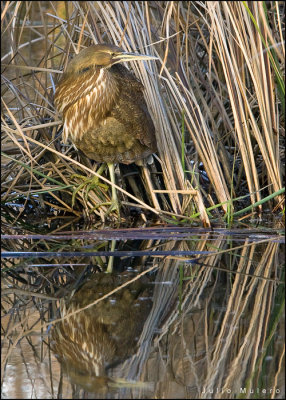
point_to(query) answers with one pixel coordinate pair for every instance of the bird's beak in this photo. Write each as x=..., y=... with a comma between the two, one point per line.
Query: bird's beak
x=132, y=57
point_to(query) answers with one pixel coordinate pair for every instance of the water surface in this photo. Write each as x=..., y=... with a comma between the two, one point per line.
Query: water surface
x=186, y=313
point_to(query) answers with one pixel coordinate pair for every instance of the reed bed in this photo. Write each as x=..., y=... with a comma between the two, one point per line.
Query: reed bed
x=216, y=96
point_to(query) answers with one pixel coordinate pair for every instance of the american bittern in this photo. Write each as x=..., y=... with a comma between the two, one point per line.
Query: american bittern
x=90, y=342
x=104, y=111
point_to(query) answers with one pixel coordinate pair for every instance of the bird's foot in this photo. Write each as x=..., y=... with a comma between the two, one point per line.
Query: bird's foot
x=94, y=184
x=114, y=206
x=89, y=183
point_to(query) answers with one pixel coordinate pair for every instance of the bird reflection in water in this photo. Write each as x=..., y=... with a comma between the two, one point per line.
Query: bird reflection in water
x=98, y=338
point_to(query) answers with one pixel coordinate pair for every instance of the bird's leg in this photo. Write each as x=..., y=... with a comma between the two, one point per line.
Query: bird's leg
x=111, y=258
x=114, y=199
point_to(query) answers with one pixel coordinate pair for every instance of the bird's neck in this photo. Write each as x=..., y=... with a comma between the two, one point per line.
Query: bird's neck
x=95, y=92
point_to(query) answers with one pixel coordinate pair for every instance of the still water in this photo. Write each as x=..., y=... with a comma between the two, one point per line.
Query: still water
x=181, y=313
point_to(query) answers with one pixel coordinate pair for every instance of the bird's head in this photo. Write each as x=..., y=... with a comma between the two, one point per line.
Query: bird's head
x=103, y=55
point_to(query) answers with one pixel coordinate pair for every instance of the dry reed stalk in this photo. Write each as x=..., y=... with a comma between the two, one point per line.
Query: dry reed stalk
x=213, y=96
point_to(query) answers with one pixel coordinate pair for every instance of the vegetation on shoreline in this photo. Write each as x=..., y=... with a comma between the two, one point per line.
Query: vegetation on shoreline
x=216, y=96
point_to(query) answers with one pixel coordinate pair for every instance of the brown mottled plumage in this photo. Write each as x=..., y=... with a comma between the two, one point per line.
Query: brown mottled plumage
x=104, y=111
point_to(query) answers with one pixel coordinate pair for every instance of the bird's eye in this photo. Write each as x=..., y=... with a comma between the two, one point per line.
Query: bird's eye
x=85, y=69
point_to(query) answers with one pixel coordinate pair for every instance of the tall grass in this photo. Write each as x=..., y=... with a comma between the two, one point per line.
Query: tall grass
x=215, y=95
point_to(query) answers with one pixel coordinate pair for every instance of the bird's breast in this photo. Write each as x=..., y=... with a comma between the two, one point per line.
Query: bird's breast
x=85, y=99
